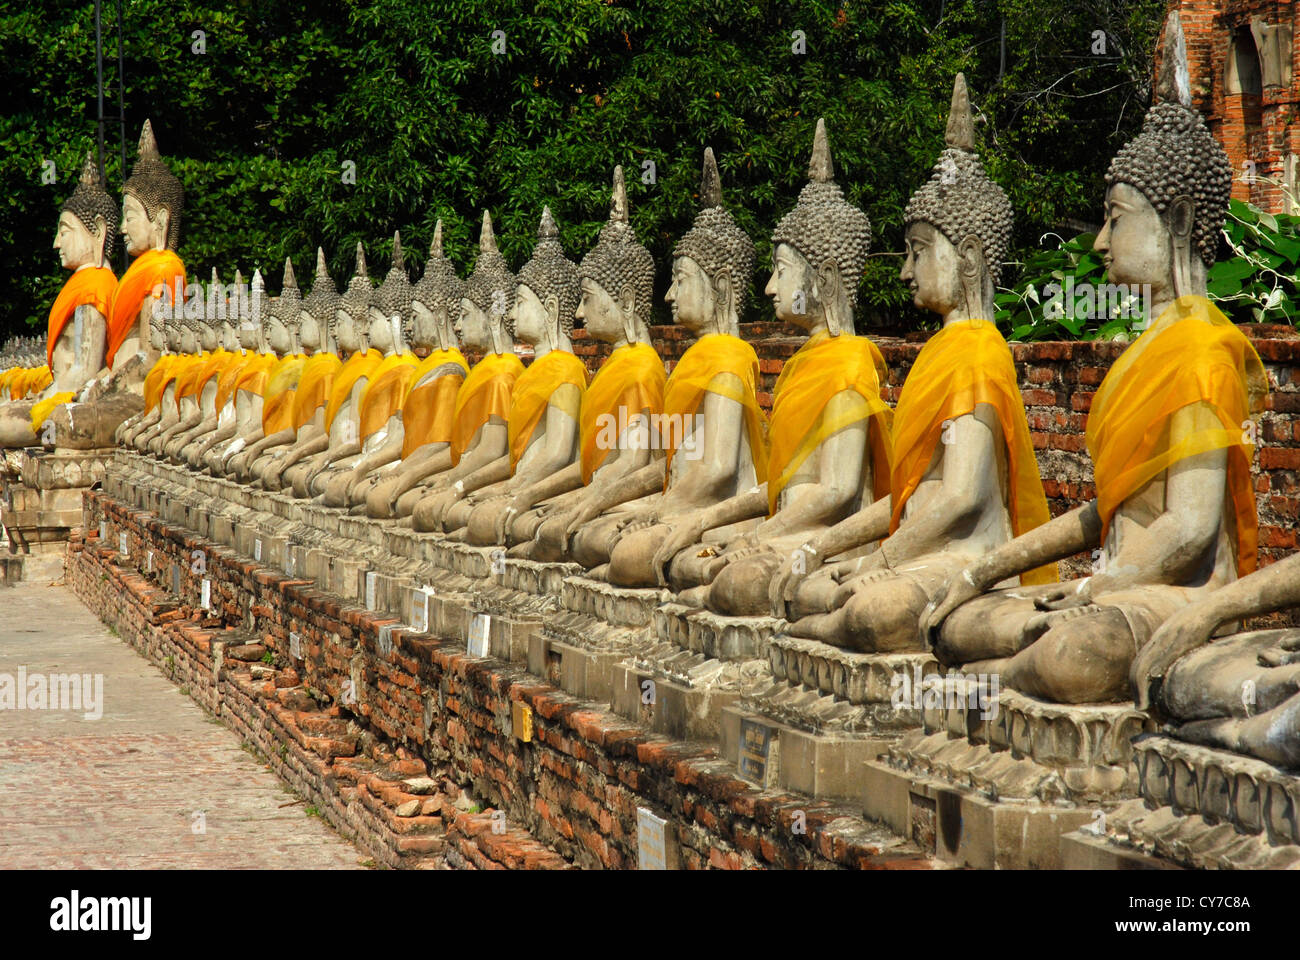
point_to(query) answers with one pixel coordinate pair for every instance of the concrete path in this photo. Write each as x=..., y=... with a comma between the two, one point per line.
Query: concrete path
x=152, y=783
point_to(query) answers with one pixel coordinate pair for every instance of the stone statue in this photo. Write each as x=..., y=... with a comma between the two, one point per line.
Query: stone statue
x=428, y=412
x=1170, y=439
x=829, y=428
x=617, y=283
x=77, y=331
x=152, y=204
x=160, y=382
x=713, y=430
x=964, y=478
x=544, y=404
x=198, y=341
x=482, y=408
x=350, y=320
x=316, y=321
x=1238, y=693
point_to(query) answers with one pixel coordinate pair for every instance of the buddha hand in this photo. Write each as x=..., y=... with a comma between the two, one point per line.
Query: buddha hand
x=801, y=564
x=1186, y=630
x=960, y=588
x=1286, y=653
x=681, y=535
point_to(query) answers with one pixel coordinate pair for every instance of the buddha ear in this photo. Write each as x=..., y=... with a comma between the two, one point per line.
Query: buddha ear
x=552, y=306
x=627, y=304
x=722, y=288
x=99, y=233
x=1181, y=217
x=162, y=220
x=970, y=254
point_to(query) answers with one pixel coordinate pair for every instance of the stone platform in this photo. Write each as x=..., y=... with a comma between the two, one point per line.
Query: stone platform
x=40, y=507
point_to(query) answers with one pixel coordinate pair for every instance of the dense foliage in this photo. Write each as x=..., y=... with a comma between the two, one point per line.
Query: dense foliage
x=262, y=124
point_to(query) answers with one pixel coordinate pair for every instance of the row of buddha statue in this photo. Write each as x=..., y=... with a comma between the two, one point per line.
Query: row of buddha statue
x=874, y=528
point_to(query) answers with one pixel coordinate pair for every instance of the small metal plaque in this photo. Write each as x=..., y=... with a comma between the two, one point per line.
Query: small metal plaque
x=257, y=549
x=757, y=752
x=478, y=635
x=295, y=646
x=148, y=562
x=655, y=849
x=420, y=608
x=176, y=579
x=121, y=543
x=103, y=529
x=372, y=580
x=205, y=596
x=521, y=715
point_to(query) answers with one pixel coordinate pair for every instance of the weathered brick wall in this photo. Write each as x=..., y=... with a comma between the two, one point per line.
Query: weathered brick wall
x=424, y=710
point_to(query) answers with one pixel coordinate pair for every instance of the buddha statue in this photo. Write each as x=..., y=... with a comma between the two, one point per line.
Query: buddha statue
x=713, y=431
x=316, y=322
x=542, y=432
x=380, y=404
x=195, y=337
x=425, y=426
x=223, y=321
x=160, y=383
x=1240, y=692
x=77, y=328
x=152, y=203
x=829, y=430
x=283, y=318
x=196, y=386
x=482, y=409
x=963, y=474
x=1174, y=517
x=616, y=280
x=349, y=324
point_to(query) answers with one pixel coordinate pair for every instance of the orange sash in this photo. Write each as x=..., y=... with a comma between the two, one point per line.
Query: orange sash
x=277, y=399
x=314, y=387
x=429, y=411
x=532, y=394
x=358, y=365
x=151, y=268
x=153, y=381
x=386, y=390
x=94, y=286
x=694, y=376
x=823, y=367
x=485, y=393
x=230, y=375
x=964, y=364
x=1191, y=355
x=252, y=378
x=42, y=409
x=632, y=379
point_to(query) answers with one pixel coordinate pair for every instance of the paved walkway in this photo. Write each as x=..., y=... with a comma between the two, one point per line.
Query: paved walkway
x=154, y=783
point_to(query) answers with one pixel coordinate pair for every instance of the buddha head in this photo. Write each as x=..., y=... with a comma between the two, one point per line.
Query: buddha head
x=617, y=277
x=435, y=301
x=230, y=323
x=546, y=295
x=87, y=222
x=152, y=200
x=215, y=307
x=173, y=328
x=316, y=314
x=1167, y=191
x=957, y=226
x=352, y=313
x=191, y=318
x=712, y=264
x=390, y=308
x=158, y=330
x=819, y=250
x=282, y=317
x=489, y=294
x=251, y=335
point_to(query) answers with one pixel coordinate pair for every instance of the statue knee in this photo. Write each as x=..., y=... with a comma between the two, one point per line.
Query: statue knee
x=740, y=588
x=407, y=501
x=630, y=562
x=1085, y=660
x=885, y=616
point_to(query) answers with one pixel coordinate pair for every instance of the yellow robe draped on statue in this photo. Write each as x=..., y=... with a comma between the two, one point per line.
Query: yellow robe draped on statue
x=485, y=393
x=314, y=386
x=965, y=364
x=277, y=399
x=386, y=390
x=93, y=286
x=1192, y=354
x=147, y=271
x=429, y=410
x=357, y=366
x=631, y=380
x=822, y=368
x=532, y=394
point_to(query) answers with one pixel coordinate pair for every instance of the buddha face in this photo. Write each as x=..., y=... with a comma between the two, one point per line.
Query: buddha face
x=139, y=231
x=1135, y=243
x=346, y=333
x=473, y=329
x=230, y=335
x=189, y=339
x=248, y=334
x=530, y=316
x=381, y=330
x=426, y=325
x=309, y=331
x=278, y=336
x=931, y=269
x=77, y=246
x=157, y=336
x=790, y=286
x=174, y=337
x=691, y=294
x=600, y=313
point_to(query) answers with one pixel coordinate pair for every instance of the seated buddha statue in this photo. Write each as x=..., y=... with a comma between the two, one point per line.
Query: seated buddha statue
x=161, y=380
x=1174, y=517
x=77, y=329
x=482, y=408
x=428, y=410
x=616, y=284
x=152, y=202
x=829, y=428
x=542, y=432
x=223, y=316
x=963, y=474
x=196, y=387
x=713, y=431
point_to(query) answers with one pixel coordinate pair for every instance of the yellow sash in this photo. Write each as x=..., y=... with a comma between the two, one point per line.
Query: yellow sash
x=632, y=379
x=1191, y=355
x=694, y=376
x=252, y=378
x=964, y=364
x=153, y=381
x=357, y=366
x=230, y=375
x=485, y=393
x=43, y=408
x=824, y=367
x=94, y=285
x=198, y=376
x=277, y=400
x=188, y=376
x=151, y=268
x=386, y=390
x=533, y=391
x=314, y=386
x=429, y=411
x=181, y=364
